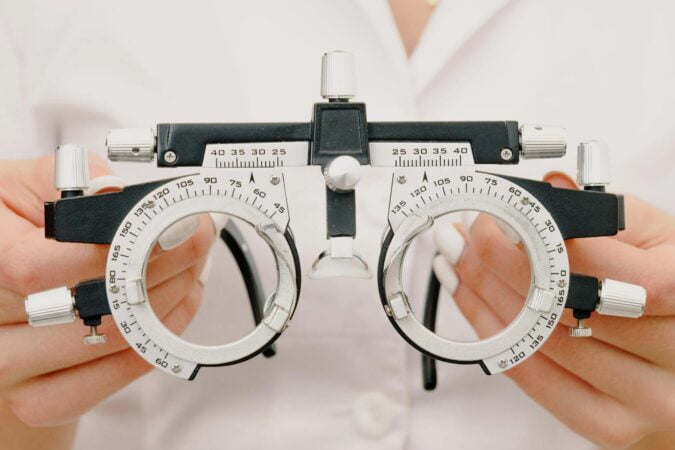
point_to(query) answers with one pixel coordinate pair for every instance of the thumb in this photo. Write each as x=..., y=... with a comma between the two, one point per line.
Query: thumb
x=26, y=184
x=560, y=180
x=39, y=174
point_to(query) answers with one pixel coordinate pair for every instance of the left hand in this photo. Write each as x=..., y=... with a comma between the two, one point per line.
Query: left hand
x=614, y=388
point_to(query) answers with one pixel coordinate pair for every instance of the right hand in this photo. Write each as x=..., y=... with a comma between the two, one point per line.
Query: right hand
x=47, y=376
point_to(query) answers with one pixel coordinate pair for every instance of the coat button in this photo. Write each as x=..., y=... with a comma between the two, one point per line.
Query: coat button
x=374, y=414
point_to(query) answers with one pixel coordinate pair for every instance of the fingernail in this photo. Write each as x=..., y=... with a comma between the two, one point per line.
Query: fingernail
x=219, y=221
x=105, y=183
x=509, y=232
x=206, y=270
x=446, y=274
x=178, y=233
x=449, y=242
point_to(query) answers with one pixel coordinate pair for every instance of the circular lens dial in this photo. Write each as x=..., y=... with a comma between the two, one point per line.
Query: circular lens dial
x=417, y=199
x=263, y=205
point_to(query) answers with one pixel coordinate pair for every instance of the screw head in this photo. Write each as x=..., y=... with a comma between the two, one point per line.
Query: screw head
x=401, y=179
x=525, y=200
x=275, y=180
x=506, y=154
x=580, y=330
x=114, y=289
x=176, y=368
x=170, y=157
x=502, y=363
x=561, y=283
x=93, y=338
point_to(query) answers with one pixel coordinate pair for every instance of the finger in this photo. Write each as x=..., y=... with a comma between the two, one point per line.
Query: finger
x=647, y=338
x=646, y=225
x=601, y=257
x=488, y=247
x=631, y=380
x=550, y=385
x=483, y=320
x=27, y=184
x=590, y=359
x=13, y=224
x=586, y=410
x=33, y=264
x=40, y=176
x=12, y=308
x=54, y=348
x=181, y=231
x=167, y=263
x=560, y=180
x=650, y=337
x=610, y=258
x=49, y=399
x=178, y=232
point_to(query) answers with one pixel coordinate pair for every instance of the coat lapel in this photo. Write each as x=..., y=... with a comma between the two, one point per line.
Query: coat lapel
x=452, y=25
x=379, y=15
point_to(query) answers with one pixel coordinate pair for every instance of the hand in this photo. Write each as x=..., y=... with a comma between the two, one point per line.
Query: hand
x=614, y=388
x=47, y=376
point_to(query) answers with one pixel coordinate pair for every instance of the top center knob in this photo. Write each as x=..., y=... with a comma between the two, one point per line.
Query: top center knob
x=338, y=81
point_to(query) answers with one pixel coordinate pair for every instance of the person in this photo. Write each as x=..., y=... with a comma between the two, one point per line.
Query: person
x=342, y=378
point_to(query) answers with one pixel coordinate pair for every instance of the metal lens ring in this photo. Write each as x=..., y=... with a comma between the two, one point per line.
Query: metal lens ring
x=228, y=193
x=548, y=264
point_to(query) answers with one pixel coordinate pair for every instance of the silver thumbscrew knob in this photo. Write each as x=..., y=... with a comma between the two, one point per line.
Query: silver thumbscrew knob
x=93, y=338
x=616, y=298
x=71, y=168
x=621, y=299
x=342, y=174
x=131, y=144
x=593, y=167
x=580, y=330
x=542, y=141
x=50, y=307
x=338, y=80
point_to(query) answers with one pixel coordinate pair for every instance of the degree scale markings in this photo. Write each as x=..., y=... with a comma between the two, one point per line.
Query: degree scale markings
x=439, y=185
x=266, y=199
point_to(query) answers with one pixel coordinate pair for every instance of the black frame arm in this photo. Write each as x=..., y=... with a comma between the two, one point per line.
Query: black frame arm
x=337, y=129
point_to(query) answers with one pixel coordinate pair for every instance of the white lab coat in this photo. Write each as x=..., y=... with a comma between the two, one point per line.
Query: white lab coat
x=342, y=377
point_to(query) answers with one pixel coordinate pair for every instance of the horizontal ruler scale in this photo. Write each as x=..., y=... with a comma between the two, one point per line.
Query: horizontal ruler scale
x=252, y=155
x=256, y=155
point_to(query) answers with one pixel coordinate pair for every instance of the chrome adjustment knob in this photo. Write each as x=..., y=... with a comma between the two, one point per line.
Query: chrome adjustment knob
x=338, y=80
x=615, y=298
x=131, y=144
x=342, y=174
x=71, y=168
x=51, y=307
x=93, y=338
x=542, y=141
x=621, y=299
x=581, y=330
x=593, y=167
